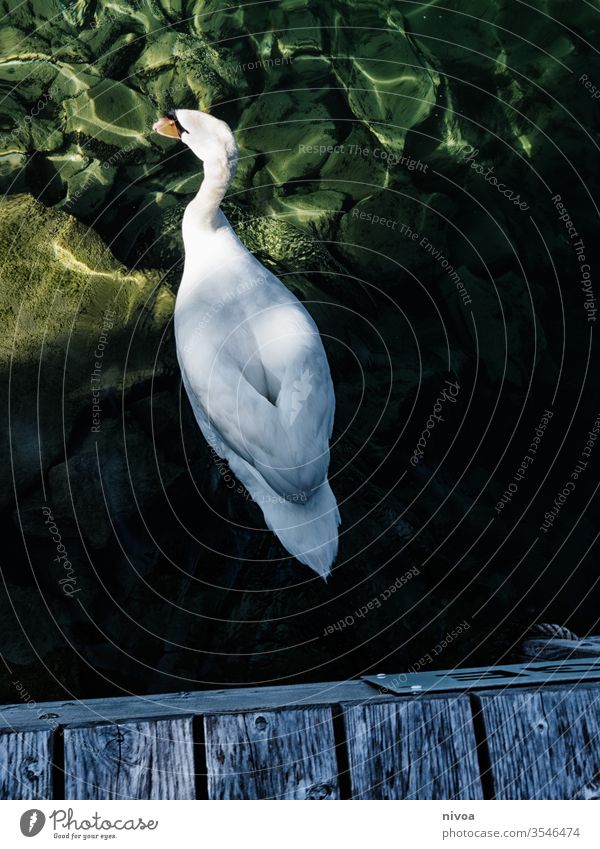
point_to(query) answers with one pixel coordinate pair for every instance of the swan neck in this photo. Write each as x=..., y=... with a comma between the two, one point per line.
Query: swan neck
x=204, y=211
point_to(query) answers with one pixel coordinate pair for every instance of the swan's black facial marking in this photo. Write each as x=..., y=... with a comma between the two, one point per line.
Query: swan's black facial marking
x=172, y=115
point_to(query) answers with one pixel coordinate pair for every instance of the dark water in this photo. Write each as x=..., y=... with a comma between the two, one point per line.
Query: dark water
x=424, y=177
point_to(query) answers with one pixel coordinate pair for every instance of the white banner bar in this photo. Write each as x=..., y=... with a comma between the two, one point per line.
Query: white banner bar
x=287, y=825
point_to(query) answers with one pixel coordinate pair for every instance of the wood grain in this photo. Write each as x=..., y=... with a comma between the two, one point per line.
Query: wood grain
x=288, y=754
x=133, y=760
x=129, y=708
x=26, y=765
x=126, y=708
x=544, y=744
x=413, y=749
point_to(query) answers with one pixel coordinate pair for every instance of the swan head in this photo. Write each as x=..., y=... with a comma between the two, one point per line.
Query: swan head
x=208, y=137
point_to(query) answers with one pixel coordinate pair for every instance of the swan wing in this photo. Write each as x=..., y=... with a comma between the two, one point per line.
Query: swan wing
x=279, y=419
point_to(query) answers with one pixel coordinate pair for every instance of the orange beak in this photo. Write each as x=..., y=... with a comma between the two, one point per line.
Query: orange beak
x=166, y=127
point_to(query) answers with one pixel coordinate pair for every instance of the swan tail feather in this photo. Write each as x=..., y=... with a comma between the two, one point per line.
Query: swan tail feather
x=308, y=530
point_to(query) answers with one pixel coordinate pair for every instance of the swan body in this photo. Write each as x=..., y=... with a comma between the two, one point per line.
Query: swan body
x=252, y=361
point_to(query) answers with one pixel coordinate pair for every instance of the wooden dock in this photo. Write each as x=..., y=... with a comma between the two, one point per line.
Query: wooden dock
x=336, y=740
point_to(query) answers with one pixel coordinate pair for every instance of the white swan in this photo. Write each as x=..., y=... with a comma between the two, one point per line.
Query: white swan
x=252, y=360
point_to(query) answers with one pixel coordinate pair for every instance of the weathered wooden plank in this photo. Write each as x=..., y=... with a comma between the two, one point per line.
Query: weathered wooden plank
x=173, y=705
x=413, y=749
x=90, y=711
x=26, y=764
x=288, y=754
x=543, y=744
x=133, y=760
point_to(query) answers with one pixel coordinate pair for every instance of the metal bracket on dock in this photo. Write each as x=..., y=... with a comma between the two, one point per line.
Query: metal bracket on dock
x=484, y=678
